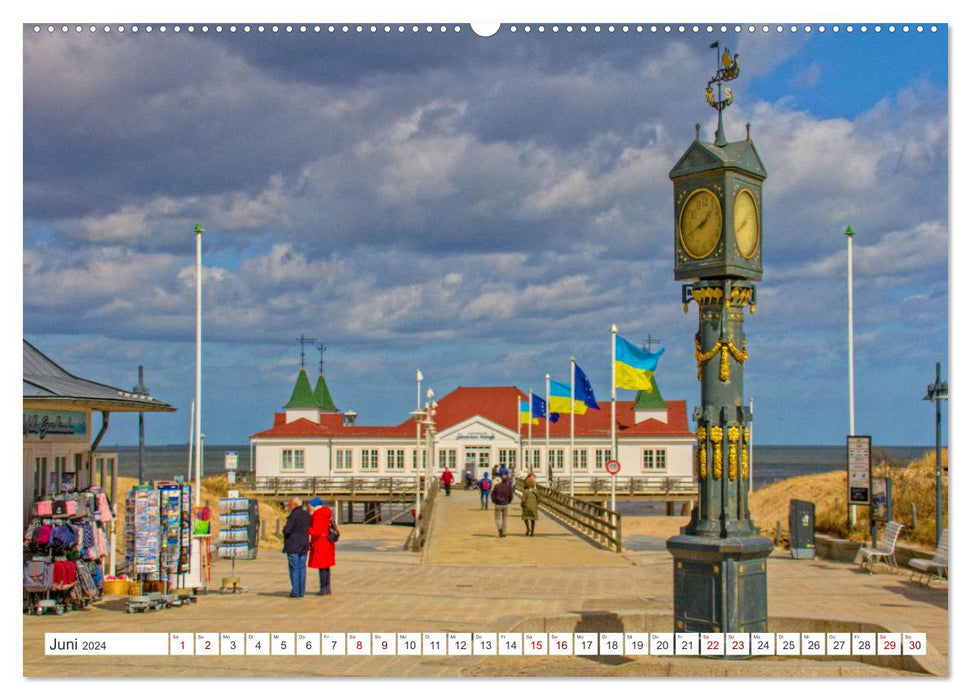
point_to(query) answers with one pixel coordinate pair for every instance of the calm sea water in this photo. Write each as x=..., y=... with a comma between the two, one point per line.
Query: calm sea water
x=770, y=463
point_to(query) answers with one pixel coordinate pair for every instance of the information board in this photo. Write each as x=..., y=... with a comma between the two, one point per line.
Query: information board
x=858, y=469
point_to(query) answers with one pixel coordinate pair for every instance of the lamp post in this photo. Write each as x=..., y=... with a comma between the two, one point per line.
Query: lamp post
x=849, y=335
x=141, y=390
x=937, y=392
x=198, y=231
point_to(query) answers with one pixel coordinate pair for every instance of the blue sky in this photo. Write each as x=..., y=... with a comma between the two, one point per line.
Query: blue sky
x=477, y=208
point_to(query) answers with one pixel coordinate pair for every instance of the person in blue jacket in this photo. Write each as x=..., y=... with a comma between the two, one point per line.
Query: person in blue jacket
x=485, y=486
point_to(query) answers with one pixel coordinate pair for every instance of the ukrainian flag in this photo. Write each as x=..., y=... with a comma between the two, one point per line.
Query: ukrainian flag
x=524, y=414
x=633, y=367
x=561, y=399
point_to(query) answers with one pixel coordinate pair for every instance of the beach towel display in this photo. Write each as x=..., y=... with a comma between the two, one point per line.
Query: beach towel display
x=64, y=551
x=239, y=533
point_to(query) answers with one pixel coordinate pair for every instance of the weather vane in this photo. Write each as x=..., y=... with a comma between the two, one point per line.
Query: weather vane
x=727, y=70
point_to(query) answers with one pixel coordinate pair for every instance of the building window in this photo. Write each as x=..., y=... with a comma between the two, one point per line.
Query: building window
x=40, y=477
x=603, y=456
x=291, y=461
x=416, y=459
x=556, y=460
x=579, y=460
x=396, y=460
x=369, y=460
x=344, y=460
x=655, y=460
x=446, y=460
x=531, y=458
x=508, y=458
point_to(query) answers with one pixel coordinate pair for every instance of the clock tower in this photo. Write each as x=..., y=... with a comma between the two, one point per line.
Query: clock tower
x=720, y=560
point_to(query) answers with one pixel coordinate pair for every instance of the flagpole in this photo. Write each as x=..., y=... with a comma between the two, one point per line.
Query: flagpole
x=519, y=432
x=198, y=495
x=549, y=470
x=573, y=408
x=849, y=321
x=613, y=391
x=529, y=434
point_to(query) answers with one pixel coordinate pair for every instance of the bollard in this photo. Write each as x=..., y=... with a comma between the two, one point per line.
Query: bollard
x=778, y=532
x=913, y=516
x=262, y=529
x=277, y=527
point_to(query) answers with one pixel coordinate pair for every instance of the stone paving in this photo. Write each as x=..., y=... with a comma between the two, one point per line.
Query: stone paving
x=471, y=580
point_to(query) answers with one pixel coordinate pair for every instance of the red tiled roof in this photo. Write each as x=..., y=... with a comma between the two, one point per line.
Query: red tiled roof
x=499, y=405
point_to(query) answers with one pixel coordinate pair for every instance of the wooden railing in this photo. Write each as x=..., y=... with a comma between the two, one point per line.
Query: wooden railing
x=339, y=485
x=423, y=527
x=628, y=485
x=596, y=523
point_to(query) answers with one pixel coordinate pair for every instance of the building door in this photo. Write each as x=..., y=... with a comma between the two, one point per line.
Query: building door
x=479, y=457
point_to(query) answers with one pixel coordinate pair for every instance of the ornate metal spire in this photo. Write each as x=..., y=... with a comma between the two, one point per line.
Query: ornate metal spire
x=726, y=69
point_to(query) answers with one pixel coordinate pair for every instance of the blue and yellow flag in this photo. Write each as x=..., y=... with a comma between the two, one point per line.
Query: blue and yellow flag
x=633, y=367
x=524, y=414
x=561, y=400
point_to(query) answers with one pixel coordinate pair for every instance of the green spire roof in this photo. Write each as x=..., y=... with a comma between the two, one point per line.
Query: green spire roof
x=649, y=399
x=322, y=396
x=302, y=396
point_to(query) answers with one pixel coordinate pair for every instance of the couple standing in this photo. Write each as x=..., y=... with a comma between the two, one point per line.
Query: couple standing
x=309, y=533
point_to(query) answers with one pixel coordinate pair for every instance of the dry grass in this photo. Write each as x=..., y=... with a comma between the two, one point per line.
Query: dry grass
x=912, y=483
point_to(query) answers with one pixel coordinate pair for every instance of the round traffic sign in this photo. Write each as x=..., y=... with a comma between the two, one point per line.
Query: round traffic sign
x=612, y=466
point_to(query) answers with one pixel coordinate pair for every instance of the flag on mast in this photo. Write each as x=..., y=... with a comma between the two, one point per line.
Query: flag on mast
x=634, y=367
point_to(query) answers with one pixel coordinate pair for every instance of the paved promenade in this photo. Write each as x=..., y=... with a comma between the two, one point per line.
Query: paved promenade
x=471, y=580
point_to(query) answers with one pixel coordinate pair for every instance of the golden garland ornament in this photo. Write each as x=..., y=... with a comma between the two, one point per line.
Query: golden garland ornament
x=746, y=436
x=702, y=453
x=726, y=348
x=716, y=457
x=733, y=434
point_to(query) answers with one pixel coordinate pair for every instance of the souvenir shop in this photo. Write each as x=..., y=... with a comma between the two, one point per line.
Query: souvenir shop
x=65, y=545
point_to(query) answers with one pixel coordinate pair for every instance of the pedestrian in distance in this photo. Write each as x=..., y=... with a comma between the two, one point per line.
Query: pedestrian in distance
x=502, y=494
x=296, y=545
x=322, y=540
x=447, y=480
x=530, y=504
x=485, y=487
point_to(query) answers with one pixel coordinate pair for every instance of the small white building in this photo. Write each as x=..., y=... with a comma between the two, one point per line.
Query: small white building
x=475, y=427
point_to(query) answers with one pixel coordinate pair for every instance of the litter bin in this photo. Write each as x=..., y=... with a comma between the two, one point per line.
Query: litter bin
x=802, y=529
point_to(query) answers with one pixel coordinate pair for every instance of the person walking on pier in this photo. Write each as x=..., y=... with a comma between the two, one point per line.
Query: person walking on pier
x=322, y=550
x=485, y=487
x=502, y=495
x=530, y=504
x=296, y=544
x=447, y=480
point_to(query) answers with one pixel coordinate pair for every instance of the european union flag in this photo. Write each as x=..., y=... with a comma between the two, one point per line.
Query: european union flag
x=582, y=389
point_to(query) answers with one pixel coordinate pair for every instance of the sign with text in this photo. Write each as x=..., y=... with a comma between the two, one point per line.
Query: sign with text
x=858, y=469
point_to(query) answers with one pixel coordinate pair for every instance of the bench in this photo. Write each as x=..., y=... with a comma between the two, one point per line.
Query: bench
x=884, y=550
x=933, y=568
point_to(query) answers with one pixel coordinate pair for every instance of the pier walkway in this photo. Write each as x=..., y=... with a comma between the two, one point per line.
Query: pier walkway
x=552, y=582
x=464, y=533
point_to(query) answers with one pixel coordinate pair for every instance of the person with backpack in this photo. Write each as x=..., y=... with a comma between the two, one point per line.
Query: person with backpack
x=501, y=497
x=530, y=504
x=485, y=486
x=323, y=535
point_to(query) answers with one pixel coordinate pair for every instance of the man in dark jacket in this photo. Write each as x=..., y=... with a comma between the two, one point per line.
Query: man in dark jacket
x=502, y=495
x=296, y=544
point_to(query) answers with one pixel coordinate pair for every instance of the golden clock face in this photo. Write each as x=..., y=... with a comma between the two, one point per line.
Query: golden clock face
x=745, y=215
x=700, y=223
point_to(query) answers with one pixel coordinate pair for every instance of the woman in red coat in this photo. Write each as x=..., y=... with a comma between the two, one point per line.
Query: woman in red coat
x=321, y=549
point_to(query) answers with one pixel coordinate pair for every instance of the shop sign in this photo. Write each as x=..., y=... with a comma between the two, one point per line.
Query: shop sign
x=476, y=436
x=47, y=425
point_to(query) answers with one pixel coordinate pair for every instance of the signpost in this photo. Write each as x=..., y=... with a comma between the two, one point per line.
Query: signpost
x=231, y=461
x=613, y=467
x=858, y=470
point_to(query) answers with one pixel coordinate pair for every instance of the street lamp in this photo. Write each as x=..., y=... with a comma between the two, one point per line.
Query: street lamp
x=141, y=390
x=937, y=392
